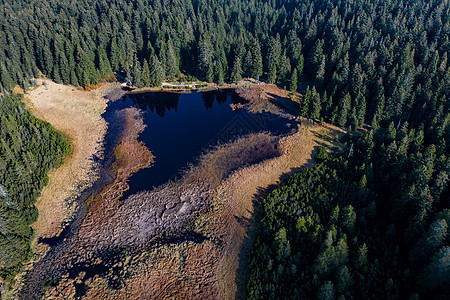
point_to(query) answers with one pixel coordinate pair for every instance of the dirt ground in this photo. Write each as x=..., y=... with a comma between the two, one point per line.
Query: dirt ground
x=77, y=115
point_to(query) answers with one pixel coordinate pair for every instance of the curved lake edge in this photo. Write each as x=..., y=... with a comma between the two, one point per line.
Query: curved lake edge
x=106, y=178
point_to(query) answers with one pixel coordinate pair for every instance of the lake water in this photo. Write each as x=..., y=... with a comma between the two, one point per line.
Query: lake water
x=181, y=126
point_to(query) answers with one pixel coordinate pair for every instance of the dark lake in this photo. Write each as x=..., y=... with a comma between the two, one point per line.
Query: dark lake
x=181, y=126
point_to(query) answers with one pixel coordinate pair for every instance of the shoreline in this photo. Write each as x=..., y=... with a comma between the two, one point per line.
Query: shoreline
x=77, y=115
x=68, y=108
x=97, y=177
x=101, y=218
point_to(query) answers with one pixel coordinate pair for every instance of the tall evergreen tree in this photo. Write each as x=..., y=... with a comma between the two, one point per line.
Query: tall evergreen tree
x=294, y=82
x=257, y=63
x=103, y=65
x=137, y=73
x=172, y=65
x=145, y=75
x=236, y=74
x=156, y=71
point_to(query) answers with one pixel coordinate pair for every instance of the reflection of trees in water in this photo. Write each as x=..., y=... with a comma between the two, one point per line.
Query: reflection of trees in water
x=208, y=99
x=236, y=99
x=161, y=102
x=221, y=97
x=156, y=102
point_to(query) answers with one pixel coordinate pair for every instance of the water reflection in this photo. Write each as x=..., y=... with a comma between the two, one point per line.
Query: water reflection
x=181, y=126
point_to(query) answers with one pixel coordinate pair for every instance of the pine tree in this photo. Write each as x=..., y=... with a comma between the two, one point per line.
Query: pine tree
x=257, y=63
x=305, y=103
x=360, y=108
x=64, y=68
x=210, y=72
x=219, y=73
x=327, y=104
x=172, y=65
x=274, y=57
x=300, y=66
x=360, y=261
x=103, y=65
x=236, y=74
x=146, y=77
x=316, y=60
x=115, y=55
x=55, y=74
x=379, y=101
x=156, y=71
x=326, y=291
x=341, y=111
x=205, y=57
x=284, y=70
x=293, y=84
x=86, y=70
x=315, y=106
x=7, y=81
x=136, y=73
x=248, y=63
x=272, y=72
x=294, y=47
x=73, y=78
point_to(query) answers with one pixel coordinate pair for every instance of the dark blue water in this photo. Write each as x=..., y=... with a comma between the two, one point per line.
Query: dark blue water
x=181, y=126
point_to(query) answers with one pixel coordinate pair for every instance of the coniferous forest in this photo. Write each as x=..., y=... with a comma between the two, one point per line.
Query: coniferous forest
x=370, y=62
x=29, y=148
x=369, y=221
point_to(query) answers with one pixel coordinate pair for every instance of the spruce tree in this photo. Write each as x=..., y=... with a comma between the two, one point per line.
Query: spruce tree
x=64, y=68
x=236, y=74
x=293, y=84
x=156, y=71
x=219, y=73
x=171, y=64
x=137, y=73
x=103, y=65
x=115, y=55
x=257, y=64
x=145, y=75
x=315, y=105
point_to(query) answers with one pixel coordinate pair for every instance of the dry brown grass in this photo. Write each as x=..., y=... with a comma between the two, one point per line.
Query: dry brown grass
x=268, y=97
x=246, y=184
x=241, y=189
x=214, y=268
x=76, y=114
x=214, y=199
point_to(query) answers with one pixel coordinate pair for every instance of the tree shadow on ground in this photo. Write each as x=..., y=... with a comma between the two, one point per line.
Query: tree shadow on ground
x=284, y=103
x=249, y=225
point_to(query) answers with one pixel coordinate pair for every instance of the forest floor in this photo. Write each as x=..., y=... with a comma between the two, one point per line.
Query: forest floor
x=77, y=115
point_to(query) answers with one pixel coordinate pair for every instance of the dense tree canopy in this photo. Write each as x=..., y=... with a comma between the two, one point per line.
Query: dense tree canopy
x=29, y=147
x=370, y=222
x=377, y=60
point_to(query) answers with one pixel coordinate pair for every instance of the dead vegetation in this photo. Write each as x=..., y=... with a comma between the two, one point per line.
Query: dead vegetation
x=166, y=212
x=212, y=266
x=185, y=240
x=268, y=97
x=76, y=114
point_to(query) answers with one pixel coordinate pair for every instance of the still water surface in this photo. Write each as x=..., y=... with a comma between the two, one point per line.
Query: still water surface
x=181, y=126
